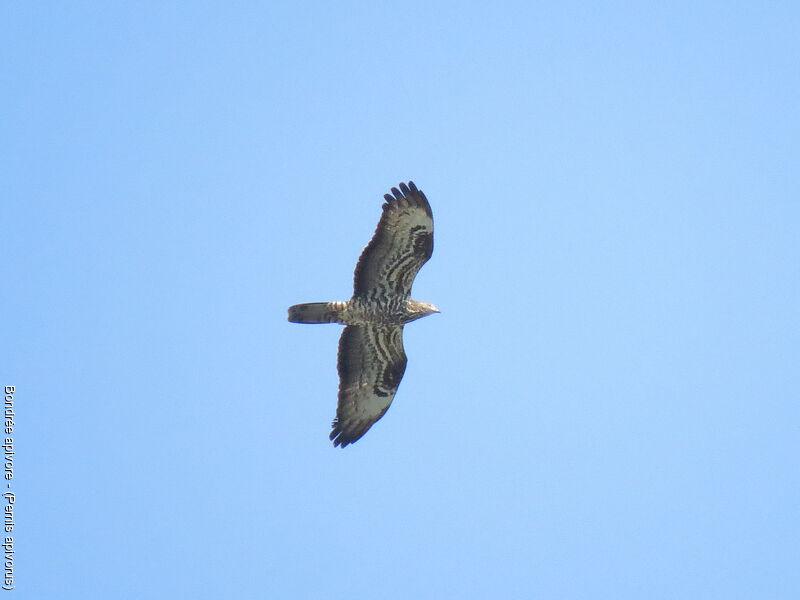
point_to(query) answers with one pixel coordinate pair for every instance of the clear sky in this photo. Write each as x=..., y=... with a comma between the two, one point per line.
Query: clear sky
x=607, y=406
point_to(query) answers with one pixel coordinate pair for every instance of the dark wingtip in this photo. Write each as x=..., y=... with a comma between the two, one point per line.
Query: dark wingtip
x=344, y=434
x=416, y=195
x=337, y=435
x=408, y=193
x=338, y=439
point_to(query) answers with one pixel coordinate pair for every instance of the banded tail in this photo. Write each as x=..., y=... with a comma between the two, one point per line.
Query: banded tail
x=316, y=312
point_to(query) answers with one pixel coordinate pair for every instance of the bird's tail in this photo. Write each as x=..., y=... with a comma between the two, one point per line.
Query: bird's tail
x=316, y=312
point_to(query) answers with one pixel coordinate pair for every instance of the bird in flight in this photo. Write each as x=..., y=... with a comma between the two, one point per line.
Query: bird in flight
x=371, y=359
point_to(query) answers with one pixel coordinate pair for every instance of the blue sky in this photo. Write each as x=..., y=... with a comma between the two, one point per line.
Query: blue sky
x=607, y=406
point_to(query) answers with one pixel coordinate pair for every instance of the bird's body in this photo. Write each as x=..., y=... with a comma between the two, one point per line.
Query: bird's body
x=395, y=310
x=371, y=359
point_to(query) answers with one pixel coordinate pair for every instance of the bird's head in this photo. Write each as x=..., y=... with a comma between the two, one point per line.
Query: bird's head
x=417, y=309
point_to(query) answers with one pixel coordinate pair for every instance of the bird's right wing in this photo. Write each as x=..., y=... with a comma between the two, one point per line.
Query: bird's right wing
x=371, y=364
x=402, y=243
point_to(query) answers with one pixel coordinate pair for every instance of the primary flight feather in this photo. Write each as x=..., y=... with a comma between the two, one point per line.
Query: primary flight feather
x=371, y=359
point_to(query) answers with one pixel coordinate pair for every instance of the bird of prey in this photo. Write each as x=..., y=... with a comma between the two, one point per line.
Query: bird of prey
x=371, y=359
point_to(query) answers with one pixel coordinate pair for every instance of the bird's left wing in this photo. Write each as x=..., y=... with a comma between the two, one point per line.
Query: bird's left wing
x=371, y=364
